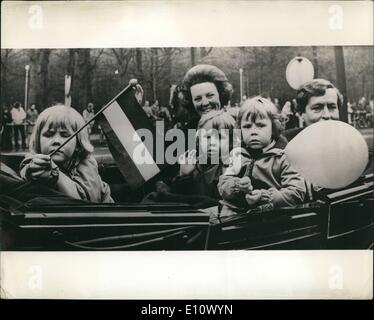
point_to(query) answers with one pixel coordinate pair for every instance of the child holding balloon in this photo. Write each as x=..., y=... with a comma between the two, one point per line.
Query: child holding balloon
x=72, y=170
x=259, y=172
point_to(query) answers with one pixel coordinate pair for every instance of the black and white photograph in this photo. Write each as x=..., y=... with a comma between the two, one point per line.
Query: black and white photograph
x=183, y=150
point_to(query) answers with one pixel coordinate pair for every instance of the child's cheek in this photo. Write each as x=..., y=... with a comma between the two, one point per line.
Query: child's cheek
x=245, y=136
x=44, y=145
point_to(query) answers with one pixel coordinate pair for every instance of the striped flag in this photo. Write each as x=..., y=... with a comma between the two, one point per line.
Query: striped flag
x=120, y=122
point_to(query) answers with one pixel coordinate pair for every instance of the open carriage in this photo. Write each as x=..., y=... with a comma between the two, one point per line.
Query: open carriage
x=339, y=219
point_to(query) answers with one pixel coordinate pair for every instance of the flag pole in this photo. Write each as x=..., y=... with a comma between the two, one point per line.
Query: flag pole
x=132, y=83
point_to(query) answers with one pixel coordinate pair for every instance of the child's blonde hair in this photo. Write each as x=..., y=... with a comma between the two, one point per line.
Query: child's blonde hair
x=262, y=108
x=65, y=117
x=218, y=120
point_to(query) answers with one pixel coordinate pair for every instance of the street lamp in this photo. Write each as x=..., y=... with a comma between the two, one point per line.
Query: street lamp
x=27, y=68
x=241, y=84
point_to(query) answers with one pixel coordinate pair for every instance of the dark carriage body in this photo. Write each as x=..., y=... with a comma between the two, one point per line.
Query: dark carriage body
x=317, y=225
x=340, y=220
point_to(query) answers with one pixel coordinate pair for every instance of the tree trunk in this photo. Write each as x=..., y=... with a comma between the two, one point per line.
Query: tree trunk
x=341, y=81
x=139, y=65
x=44, y=64
x=193, y=56
x=315, y=61
x=4, y=76
x=154, y=66
x=88, y=77
x=202, y=53
x=272, y=62
x=70, y=71
x=260, y=86
x=363, y=85
x=83, y=89
x=123, y=58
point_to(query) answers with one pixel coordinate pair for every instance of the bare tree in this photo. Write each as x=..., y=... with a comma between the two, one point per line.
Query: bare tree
x=204, y=52
x=123, y=58
x=259, y=68
x=44, y=65
x=342, y=84
x=193, y=56
x=139, y=64
x=315, y=61
x=5, y=57
x=39, y=76
x=86, y=63
x=70, y=69
x=272, y=55
x=154, y=68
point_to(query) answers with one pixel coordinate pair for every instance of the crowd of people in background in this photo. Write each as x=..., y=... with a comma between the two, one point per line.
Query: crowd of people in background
x=360, y=113
x=18, y=123
x=250, y=173
x=155, y=112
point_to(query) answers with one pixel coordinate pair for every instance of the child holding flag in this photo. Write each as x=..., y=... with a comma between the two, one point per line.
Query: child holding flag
x=72, y=170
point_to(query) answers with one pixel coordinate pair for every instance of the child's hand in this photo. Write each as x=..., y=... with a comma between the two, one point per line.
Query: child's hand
x=139, y=93
x=40, y=167
x=265, y=196
x=235, y=162
x=258, y=196
x=244, y=185
x=187, y=162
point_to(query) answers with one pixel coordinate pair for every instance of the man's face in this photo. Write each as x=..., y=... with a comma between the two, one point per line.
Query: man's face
x=205, y=97
x=322, y=108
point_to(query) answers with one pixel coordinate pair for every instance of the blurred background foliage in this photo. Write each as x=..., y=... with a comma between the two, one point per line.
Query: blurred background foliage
x=98, y=74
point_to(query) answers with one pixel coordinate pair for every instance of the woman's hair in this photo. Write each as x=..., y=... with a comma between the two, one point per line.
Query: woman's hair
x=315, y=88
x=262, y=108
x=207, y=73
x=65, y=117
x=218, y=120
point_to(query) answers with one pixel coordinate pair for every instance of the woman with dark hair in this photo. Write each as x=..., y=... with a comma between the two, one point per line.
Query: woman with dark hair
x=205, y=88
x=204, y=91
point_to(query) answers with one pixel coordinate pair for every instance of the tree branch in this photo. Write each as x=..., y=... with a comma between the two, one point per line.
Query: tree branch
x=209, y=51
x=93, y=65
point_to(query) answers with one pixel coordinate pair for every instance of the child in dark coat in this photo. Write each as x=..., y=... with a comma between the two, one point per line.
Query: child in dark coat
x=200, y=170
x=259, y=172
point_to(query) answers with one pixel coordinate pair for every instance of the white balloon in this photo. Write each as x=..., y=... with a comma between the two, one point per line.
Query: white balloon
x=329, y=154
x=299, y=71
